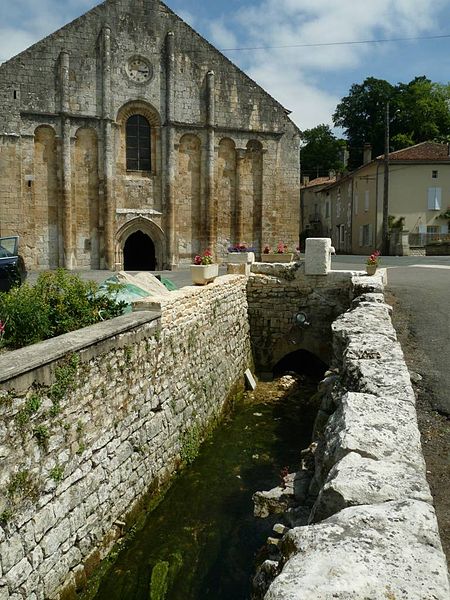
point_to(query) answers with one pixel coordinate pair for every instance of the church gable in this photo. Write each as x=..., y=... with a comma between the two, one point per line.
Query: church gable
x=29, y=81
x=148, y=127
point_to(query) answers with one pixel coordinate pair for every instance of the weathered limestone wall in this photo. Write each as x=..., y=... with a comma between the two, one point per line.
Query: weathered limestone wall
x=276, y=294
x=373, y=531
x=91, y=420
x=203, y=112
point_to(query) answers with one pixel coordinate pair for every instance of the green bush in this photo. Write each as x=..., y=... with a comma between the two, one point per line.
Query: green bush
x=59, y=302
x=25, y=317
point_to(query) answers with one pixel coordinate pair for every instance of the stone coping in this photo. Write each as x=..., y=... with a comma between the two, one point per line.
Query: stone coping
x=18, y=362
x=152, y=303
x=371, y=502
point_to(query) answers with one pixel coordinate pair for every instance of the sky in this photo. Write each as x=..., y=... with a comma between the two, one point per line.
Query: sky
x=309, y=81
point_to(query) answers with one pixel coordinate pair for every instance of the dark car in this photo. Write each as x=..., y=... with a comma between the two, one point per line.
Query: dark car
x=12, y=266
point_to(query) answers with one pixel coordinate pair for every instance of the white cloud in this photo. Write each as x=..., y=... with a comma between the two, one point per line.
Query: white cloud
x=13, y=42
x=297, y=76
x=222, y=36
x=187, y=16
x=27, y=21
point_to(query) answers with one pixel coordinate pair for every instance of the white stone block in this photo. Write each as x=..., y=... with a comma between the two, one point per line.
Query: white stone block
x=356, y=480
x=318, y=256
x=250, y=379
x=390, y=550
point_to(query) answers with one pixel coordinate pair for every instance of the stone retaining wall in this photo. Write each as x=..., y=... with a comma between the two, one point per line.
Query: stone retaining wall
x=90, y=421
x=373, y=531
x=276, y=294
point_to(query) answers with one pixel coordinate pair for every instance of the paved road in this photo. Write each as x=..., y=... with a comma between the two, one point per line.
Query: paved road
x=422, y=287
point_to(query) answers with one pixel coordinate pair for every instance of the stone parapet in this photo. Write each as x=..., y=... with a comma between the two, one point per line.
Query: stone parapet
x=373, y=531
x=93, y=420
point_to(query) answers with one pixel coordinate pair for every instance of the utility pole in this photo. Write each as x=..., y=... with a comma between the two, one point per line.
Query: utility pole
x=385, y=234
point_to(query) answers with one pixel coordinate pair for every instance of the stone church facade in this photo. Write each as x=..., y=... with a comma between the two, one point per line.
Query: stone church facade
x=128, y=141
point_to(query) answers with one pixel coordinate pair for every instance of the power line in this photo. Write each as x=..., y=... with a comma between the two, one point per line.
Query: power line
x=351, y=43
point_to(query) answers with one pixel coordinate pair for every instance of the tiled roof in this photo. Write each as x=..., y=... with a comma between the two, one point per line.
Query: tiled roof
x=420, y=153
x=319, y=181
x=426, y=151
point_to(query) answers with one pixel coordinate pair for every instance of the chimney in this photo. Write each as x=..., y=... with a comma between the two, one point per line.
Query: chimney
x=344, y=156
x=305, y=179
x=367, y=153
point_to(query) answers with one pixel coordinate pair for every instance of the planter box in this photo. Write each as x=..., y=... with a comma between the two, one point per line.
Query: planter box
x=277, y=258
x=203, y=274
x=241, y=257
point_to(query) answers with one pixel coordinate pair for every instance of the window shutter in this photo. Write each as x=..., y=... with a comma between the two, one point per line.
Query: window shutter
x=366, y=201
x=438, y=198
x=356, y=203
x=444, y=228
x=361, y=229
x=422, y=228
x=434, y=198
x=370, y=234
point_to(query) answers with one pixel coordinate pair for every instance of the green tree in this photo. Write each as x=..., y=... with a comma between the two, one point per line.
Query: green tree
x=422, y=110
x=321, y=152
x=362, y=116
x=419, y=111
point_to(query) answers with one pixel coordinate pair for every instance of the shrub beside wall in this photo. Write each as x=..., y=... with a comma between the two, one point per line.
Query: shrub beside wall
x=105, y=414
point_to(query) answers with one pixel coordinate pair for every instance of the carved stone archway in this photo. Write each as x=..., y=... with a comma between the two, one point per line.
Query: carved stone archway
x=148, y=227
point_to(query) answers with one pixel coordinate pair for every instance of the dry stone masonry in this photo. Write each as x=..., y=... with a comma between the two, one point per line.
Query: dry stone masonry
x=372, y=529
x=93, y=420
x=276, y=294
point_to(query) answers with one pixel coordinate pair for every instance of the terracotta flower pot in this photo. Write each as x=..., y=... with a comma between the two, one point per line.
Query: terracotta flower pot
x=371, y=269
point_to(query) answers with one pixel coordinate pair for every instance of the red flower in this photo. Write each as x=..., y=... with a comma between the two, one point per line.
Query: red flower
x=204, y=259
x=373, y=258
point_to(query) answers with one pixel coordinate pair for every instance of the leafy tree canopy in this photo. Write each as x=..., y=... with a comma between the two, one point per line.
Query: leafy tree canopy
x=321, y=152
x=419, y=111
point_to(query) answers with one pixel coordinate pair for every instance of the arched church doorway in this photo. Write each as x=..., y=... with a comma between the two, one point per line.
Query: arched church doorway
x=139, y=253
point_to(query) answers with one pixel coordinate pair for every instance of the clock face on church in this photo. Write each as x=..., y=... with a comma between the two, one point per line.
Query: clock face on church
x=139, y=69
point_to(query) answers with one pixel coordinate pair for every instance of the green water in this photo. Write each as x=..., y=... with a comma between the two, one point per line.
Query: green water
x=201, y=542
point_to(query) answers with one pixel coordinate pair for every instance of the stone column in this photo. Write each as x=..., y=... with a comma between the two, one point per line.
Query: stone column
x=241, y=155
x=211, y=216
x=68, y=248
x=108, y=192
x=171, y=254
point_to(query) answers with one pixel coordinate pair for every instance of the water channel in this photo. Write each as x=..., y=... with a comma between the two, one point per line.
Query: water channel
x=202, y=540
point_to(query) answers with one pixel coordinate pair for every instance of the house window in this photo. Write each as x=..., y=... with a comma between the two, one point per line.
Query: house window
x=434, y=198
x=138, y=144
x=434, y=174
x=365, y=235
x=327, y=209
x=341, y=229
x=356, y=203
x=366, y=201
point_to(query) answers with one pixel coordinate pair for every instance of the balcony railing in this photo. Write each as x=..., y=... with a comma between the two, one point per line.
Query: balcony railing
x=422, y=239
